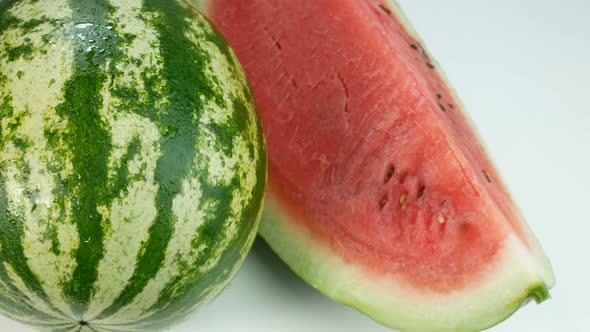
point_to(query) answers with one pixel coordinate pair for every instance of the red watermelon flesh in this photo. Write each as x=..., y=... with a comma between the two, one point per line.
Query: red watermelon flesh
x=377, y=180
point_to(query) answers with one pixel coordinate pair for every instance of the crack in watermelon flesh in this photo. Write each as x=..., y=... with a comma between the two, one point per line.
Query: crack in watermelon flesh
x=370, y=152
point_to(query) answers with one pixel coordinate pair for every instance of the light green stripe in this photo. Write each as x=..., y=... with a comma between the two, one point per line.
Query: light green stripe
x=88, y=141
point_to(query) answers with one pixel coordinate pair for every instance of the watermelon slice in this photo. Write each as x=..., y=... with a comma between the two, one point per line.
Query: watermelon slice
x=380, y=194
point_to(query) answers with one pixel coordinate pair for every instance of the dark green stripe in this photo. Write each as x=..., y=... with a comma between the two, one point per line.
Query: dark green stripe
x=122, y=179
x=6, y=109
x=7, y=21
x=88, y=140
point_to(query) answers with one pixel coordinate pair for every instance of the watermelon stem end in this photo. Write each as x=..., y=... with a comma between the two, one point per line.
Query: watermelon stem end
x=540, y=293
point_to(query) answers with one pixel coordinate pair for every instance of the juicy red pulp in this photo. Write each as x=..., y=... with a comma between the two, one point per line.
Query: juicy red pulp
x=367, y=146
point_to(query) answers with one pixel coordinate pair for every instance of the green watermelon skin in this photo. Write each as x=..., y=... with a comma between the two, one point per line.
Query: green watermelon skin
x=132, y=163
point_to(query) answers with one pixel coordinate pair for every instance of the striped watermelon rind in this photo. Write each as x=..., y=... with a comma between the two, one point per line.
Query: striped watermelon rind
x=132, y=163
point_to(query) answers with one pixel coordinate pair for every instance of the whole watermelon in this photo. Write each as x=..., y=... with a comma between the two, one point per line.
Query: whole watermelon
x=132, y=163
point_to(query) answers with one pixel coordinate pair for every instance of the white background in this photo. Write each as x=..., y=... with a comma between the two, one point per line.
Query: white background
x=523, y=71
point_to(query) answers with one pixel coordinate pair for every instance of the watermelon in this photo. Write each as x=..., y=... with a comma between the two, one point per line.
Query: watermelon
x=132, y=163
x=380, y=194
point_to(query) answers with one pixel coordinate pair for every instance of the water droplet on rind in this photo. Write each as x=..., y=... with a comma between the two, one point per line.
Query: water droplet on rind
x=83, y=25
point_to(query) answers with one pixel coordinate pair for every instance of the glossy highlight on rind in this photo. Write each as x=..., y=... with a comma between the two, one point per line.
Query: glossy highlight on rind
x=133, y=165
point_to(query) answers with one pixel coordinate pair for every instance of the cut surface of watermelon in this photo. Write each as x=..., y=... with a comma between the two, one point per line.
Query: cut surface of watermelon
x=380, y=194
